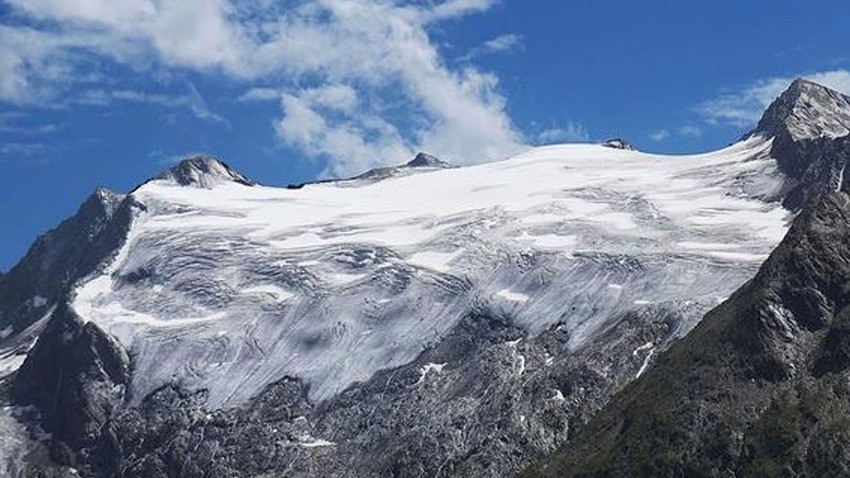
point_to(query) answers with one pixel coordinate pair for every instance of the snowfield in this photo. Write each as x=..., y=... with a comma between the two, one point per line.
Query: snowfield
x=231, y=287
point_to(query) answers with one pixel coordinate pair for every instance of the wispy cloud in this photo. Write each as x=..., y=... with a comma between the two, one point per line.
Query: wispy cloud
x=23, y=149
x=395, y=93
x=744, y=107
x=500, y=44
x=690, y=131
x=570, y=132
x=261, y=94
x=190, y=99
x=660, y=135
x=19, y=123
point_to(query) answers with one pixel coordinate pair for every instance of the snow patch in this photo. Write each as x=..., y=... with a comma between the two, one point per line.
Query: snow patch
x=737, y=256
x=508, y=294
x=553, y=241
x=310, y=442
x=276, y=293
x=645, y=364
x=437, y=261
x=430, y=367
x=11, y=363
x=340, y=279
x=643, y=347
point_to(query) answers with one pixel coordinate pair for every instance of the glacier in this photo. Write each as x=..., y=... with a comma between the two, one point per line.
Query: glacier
x=228, y=286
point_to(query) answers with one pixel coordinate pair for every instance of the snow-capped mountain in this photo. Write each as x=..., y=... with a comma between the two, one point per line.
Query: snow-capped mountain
x=334, y=282
x=480, y=312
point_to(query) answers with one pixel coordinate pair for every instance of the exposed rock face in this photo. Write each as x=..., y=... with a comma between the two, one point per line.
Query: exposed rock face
x=203, y=172
x=758, y=388
x=31, y=298
x=810, y=127
x=482, y=402
x=618, y=143
x=421, y=161
x=75, y=376
x=807, y=111
x=424, y=160
x=59, y=258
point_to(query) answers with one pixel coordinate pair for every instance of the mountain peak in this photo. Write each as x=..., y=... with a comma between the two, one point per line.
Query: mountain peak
x=204, y=172
x=806, y=110
x=424, y=160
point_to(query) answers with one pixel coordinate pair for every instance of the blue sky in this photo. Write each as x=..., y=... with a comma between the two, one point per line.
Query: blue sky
x=108, y=92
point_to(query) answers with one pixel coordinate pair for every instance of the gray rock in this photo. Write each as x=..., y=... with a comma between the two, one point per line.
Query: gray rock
x=60, y=257
x=810, y=127
x=203, y=172
x=618, y=143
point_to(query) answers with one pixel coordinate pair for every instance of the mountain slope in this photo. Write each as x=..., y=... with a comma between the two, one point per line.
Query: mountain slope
x=758, y=388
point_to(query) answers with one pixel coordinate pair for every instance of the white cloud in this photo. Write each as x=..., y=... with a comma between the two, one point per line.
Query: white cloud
x=23, y=149
x=336, y=97
x=571, y=132
x=454, y=8
x=745, y=107
x=191, y=99
x=690, y=130
x=20, y=123
x=500, y=44
x=660, y=135
x=367, y=68
x=307, y=129
x=261, y=94
x=32, y=67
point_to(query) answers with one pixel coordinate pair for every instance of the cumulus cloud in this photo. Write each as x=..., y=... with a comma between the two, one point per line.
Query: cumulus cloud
x=745, y=107
x=363, y=75
x=316, y=133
